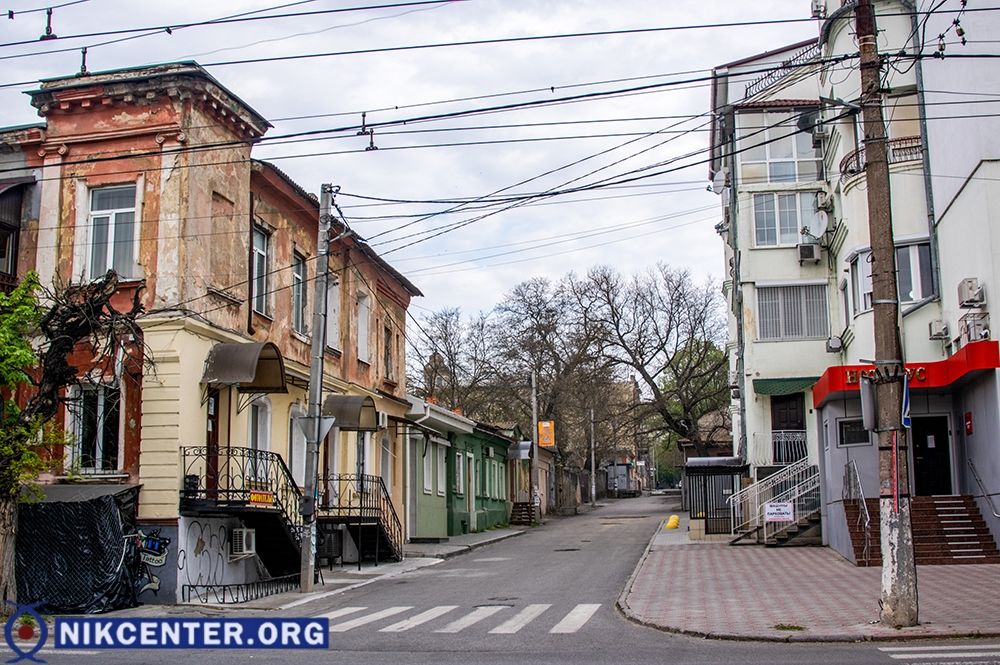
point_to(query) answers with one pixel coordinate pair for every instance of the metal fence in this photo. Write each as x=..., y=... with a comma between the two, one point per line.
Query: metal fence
x=706, y=494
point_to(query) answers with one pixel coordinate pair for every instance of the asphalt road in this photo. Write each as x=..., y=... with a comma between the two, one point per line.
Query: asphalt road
x=547, y=596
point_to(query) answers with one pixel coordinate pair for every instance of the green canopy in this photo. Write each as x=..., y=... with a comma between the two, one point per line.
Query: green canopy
x=788, y=386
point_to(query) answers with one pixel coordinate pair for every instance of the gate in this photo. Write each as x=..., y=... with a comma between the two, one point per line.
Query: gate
x=708, y=484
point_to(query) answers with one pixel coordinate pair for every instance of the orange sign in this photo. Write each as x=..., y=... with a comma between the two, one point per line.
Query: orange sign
x=259, y=498
x=546, y=433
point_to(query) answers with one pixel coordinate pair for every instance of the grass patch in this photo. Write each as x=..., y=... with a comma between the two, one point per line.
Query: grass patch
x=787, y=626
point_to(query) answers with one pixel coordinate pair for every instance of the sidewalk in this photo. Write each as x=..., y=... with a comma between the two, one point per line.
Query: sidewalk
x=456, y=545
x=794, y=594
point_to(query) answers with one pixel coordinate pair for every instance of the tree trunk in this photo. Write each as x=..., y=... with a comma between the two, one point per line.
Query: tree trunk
x=8, y=534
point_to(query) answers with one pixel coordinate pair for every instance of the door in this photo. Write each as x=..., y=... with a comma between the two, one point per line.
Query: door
x=788, y=428
x=931, y=444
x=212, y=445
x=470, y=490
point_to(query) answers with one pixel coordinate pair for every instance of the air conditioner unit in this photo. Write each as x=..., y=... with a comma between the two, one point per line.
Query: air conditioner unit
x=974, y=327
x=937, y=329
x=734, y=379
x=809, y=252
x=242, y=542
x=970, y=293
x=818, y=8
x=383, y=419
x=820, y=133
x=824, y=202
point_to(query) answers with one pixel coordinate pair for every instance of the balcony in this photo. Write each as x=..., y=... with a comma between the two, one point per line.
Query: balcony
x=788, y=446
x=905, y=149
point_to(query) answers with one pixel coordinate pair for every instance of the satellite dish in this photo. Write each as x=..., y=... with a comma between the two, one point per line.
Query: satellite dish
x=807, y=121
x=719, y=181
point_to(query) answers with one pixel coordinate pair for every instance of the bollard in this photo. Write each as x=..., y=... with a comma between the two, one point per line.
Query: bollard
x=673, y=522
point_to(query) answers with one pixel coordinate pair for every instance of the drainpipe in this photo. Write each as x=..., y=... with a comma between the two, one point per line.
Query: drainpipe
x=737, y=290
x=250, y=329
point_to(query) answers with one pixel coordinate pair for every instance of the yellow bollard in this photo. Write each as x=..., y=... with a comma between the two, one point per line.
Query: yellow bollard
x=673, y=522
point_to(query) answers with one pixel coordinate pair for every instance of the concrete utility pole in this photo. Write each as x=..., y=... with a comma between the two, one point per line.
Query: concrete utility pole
x=314, y=427
x=535, y=496
x=593, y=465
x=899, y=572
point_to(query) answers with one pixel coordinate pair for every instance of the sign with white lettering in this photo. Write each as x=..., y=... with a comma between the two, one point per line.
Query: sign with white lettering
x=779, y=511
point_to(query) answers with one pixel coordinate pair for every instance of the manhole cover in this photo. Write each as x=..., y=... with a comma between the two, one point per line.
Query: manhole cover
x=584, y=541
x=501, y=599
x=567, y=549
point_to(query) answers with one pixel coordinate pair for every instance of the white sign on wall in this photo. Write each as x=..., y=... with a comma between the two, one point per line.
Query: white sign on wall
x=779, y=511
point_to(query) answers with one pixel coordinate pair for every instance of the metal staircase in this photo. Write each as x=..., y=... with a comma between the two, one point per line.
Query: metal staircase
x=796, y=484
x=362, y=504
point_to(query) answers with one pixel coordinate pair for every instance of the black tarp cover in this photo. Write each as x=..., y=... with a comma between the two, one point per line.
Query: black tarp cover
x=77, y=552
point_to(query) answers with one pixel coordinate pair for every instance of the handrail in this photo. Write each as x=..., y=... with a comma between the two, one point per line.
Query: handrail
x=804, y=496
x=746, y=505
x=982, y=487
x=852, y=480
x=361, y=495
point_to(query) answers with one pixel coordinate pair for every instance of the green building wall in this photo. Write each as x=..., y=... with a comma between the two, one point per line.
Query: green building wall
x=490, y=503
x=430, y=515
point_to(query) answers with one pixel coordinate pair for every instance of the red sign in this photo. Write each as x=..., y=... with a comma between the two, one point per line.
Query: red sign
x=261, y=499
x=968, y=422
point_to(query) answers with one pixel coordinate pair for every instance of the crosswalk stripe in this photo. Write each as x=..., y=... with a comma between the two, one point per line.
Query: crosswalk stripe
x=954, y=654
x=472, y=618
x=949, y=647
x=578, y=616
x=341, y=612
x=418, y=619
x=370, y=618
x=521, y=619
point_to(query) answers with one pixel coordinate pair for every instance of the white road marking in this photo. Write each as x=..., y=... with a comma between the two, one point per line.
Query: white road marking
x=418, y=619
x=490, y=559
x=956, y=654
x=370, y=618
x=472, y=618
x=340, y=612
x=521, y=619
x=573, y=621
x=949, y=647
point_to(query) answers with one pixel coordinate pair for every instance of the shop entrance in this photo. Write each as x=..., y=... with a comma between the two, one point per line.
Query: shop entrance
x=931, y=444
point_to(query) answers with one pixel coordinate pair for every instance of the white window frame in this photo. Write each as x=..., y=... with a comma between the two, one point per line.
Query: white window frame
x=442, y=470
x=861, y=282
x=784, y=237
x=429, y=468
x=87, y=225
x=916, y=274
x=459, y=473
x=385, y=459
x=364, y=312
x=783, y=292
x=299, y=296
x=765, y=133
x=74, y=410
x=296, y=445
x=369, y=451
x=333, y=315
x=259, y=436
x=260, y=282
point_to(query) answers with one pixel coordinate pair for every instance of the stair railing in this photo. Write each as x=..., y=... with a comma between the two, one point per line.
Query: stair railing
x=804, y=497
x=982, y=488
x=746, y=506
x=854, y=491
x=364, y=496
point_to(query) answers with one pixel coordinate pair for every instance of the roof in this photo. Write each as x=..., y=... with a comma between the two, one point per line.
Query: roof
x=80, y=492
x=786, y=386
x=777, y=103
x=766, y=54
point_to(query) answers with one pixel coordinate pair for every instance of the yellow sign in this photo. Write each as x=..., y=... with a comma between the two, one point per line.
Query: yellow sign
x=546, y=433
x=259, y=498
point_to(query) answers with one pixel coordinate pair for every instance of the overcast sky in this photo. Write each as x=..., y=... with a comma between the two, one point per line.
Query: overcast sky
x=668, y=217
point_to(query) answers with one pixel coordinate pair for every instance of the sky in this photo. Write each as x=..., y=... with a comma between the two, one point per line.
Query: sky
x=443, y=169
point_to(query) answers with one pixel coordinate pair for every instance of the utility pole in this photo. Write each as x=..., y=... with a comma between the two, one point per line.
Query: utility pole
x=314, y=420
x=593, y=465
x=899, y=572
x=535, y=496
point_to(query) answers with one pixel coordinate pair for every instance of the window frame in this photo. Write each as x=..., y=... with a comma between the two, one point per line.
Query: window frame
x=112, y=215
x=428, y=468
x=387, y=354
x=804, y=200
x=332, y=332
x=441, y=458
x=459, y=473
x=300, y=298
x=754, y=137
x=783, y=321
x=364, y=313
x=916, y=270
x=850, y=420
x=260, y=301
x=76, y=410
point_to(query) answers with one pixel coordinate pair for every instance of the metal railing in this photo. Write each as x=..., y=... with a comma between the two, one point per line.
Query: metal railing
x=805, y=499
x=905, y=149
x=788, y=446
x=363, y=496
x=241, y=478
x=853, y=491
x=747, y=506
x=810, y=52
x=225, y=594
x=982, y=488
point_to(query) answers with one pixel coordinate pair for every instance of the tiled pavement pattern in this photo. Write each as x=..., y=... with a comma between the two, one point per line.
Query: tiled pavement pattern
x=720, y=590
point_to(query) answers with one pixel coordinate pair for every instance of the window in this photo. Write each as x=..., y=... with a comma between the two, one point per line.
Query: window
x=459, y=474
x=364, y=316
x=773, y=149
x=367, y=437
x=259, y=277
x=442, y=470
x=386, y=460
x=780, y=218
x=845, y=303
x=112, y=231
x=852, y=433
x=298, y=293
x=428, y=468
x=8, y=250
x=296, y=446
x=792, y=312
x=333, y=315
x=96, y=424
x=913, y=270
x=387, y=353
x=861, y=282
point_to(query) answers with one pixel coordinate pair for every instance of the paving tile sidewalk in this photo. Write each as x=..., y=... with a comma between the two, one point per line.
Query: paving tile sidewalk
x=746, y=592
x=459, y=544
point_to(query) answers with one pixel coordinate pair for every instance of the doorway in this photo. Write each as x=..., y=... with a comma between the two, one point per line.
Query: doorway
x=788, y=428
x=212, y=445
x=931, y=444
x=470, y=490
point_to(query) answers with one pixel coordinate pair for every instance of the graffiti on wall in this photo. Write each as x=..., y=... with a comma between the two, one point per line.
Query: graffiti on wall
x=153, y=549
x=203, y=559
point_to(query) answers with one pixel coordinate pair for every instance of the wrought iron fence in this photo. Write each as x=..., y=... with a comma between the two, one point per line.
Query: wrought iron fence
x=799, y=59
x=225, y=594
x=241, y=478
x=905, y=149
x=788, y=446
x=364, y=496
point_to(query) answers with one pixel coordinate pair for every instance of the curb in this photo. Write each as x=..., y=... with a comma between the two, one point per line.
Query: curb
x=622, y=605
x=465, y=549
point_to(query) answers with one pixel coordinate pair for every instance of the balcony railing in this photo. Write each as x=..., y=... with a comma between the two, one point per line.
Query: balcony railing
x=905, y=149
x=788, y=446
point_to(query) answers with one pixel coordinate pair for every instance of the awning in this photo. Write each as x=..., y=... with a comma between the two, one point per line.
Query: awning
x=82, y=492
x=252, y=367
x=788, y=386
x=352, y=413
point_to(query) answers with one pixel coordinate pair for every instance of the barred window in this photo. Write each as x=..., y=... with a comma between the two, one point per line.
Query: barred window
x=792, y=312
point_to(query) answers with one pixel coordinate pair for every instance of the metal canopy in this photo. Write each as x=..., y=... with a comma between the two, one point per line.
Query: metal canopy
x=252, y=367
x=353, y=413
